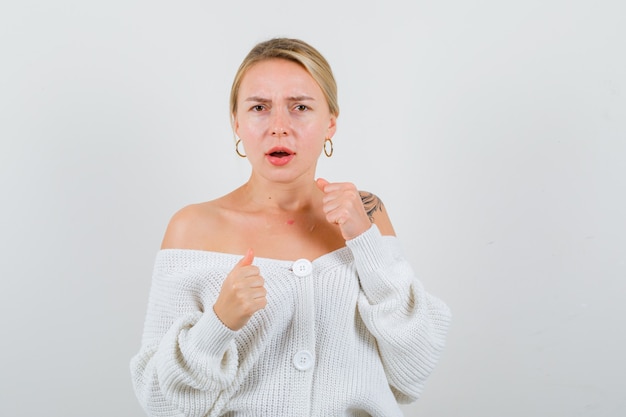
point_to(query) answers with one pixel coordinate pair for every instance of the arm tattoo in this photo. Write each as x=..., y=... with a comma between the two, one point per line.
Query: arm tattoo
x=371, y=203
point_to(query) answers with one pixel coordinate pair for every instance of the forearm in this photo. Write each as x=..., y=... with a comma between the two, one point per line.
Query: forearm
x=409, y=324
x=185, y=363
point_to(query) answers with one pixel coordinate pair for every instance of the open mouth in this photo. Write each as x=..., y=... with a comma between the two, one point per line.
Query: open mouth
x=280, y=156
x=280, y=152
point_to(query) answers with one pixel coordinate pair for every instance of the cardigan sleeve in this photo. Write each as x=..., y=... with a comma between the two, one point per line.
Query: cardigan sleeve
x=409, y=324
x=187, y=358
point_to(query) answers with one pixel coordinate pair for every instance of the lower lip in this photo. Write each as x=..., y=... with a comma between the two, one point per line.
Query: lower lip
x=279, y=161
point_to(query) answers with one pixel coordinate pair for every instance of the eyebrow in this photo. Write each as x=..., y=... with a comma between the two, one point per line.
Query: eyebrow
x=266, y=100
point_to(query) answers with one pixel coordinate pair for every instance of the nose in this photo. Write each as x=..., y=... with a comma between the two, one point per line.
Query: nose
x=279, y=123
x=279, y=132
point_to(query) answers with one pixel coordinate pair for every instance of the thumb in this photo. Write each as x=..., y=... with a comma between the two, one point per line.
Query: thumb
x=247, y=259
x=321, y=183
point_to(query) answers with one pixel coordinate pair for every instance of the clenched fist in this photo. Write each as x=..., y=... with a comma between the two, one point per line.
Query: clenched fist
x=242, y=294
x=343, y=206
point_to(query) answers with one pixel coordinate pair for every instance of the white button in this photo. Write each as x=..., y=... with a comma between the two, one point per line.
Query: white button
x=303, y=360
x=302, y=268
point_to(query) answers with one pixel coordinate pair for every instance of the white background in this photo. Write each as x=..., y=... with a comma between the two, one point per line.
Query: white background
x=494, y=131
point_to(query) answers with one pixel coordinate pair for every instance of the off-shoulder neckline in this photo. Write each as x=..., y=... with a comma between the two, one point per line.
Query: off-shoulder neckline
x=199, y=254
x=340, y=255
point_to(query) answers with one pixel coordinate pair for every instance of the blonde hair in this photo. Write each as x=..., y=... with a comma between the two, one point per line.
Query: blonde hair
x=296, y=51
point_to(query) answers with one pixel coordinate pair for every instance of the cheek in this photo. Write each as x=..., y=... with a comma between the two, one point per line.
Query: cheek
x=247, y=127
x=315, y=143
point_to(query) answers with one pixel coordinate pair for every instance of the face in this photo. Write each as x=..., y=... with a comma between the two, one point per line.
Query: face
x=282, y=120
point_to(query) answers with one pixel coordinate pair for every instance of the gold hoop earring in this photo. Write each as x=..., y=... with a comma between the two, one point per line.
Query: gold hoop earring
x=326, y=151
x=243, y=155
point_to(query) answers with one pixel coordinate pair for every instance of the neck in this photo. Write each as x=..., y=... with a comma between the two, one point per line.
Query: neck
x=277, y=197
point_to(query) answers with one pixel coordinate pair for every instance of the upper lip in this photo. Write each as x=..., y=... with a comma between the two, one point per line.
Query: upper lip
x=280, y=150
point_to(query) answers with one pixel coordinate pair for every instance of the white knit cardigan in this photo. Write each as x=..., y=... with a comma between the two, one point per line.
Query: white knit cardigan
x=354, y=337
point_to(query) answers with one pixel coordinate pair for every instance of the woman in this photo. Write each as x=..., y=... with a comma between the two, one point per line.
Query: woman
x=289, y=296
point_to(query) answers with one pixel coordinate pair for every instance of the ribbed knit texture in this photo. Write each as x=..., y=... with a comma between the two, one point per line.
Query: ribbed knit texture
x=373, y=332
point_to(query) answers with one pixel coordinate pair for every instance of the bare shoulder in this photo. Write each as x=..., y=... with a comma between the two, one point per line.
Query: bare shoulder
x=377, y=212
x=187, y=227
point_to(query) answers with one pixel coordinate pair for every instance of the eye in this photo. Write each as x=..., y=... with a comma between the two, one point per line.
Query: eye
x=258, y=107
x=302, y=107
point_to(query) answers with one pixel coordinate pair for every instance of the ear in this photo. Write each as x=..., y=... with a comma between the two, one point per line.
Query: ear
x=332, y=126
x=234, y=123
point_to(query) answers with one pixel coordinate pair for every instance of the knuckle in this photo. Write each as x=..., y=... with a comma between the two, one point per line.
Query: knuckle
x=247, y=309
x=240, y=299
